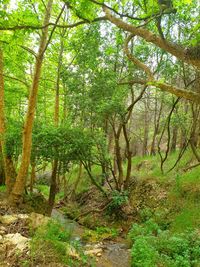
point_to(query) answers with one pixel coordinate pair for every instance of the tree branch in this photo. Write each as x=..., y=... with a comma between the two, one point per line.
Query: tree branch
x=178, y=51
x=17, y=79
x=39, y=27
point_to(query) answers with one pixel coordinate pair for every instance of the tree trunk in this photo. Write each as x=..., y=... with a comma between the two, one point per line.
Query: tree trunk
x=146, y=130
x=53, y=184
x=2, y=122
x=174, y=139
x=33, y=176
x=119, y=162
x=2, y=172
x=129, y=159
x=17, y=193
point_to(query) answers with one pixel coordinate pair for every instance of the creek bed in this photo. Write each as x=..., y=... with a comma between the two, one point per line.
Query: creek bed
x=114, y=253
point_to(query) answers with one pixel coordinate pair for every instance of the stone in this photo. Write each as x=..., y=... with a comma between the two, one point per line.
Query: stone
x=1, y=239
x=2, y=230
x=99, y=254
x=18, y=240
x=8, y=219
x=22, y=216
x=93, y=251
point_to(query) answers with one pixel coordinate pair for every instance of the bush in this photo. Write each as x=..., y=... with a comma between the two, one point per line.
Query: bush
x=154, y=247
x=118, y=199
x=143, y=253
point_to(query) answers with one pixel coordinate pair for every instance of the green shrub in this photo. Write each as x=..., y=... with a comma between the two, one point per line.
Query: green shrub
x=149, y=228
x=118, y=199
x=143, y=253
x=154, y=247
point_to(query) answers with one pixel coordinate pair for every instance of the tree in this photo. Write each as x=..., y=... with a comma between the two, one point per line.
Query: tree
x=18, y=190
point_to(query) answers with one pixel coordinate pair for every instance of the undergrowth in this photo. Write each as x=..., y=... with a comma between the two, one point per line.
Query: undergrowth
x=51, y=243
x=154, y=247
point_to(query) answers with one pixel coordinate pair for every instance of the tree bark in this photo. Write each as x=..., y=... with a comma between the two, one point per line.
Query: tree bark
x=33, y=176
x=17, y=193
x=174, y=139
x=2, y=171
x=2, y=121
x=53, y=184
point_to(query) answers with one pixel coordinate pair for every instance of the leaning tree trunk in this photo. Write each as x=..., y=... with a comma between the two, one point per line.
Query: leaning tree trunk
x=16, y=195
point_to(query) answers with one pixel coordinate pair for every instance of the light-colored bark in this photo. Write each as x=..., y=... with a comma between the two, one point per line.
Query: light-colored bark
x=18, y=190
x=172, y=48
x=54, y=175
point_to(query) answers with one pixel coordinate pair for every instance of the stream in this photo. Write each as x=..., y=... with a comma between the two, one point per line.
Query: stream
x=114, y=253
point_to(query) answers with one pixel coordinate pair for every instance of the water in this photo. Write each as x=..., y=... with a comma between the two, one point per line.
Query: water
x=114, y=254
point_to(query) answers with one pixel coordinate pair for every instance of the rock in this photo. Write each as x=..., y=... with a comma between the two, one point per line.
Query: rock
x=8, y=219
x=2, y=230
x=38, y=220
x=1, y=238
x=99, y=254
x=18, y=240
x=71, y=251
x=93, y=251
x=22, y=216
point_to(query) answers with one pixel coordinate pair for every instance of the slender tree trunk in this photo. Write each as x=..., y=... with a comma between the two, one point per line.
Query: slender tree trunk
x=33, y=176
x=174, y=139
x=54, y=175
x=146, y=130
x=119, y=161
x=2, y=121
x=17, y=193
x=129, y=159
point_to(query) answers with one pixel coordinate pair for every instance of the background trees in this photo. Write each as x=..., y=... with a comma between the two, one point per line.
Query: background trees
x=108, y=84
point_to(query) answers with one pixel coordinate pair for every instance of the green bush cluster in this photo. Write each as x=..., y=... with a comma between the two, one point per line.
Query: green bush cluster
x=118, y=199
x=154, y=247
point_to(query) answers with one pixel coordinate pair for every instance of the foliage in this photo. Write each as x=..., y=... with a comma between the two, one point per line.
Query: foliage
x=154, y=247
x=2, y=188
x=118, y=200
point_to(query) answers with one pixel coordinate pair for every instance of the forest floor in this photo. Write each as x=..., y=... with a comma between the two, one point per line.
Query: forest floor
x=100, y=231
